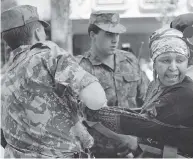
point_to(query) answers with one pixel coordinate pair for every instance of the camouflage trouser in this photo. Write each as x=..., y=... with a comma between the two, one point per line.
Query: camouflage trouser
x=11, y=152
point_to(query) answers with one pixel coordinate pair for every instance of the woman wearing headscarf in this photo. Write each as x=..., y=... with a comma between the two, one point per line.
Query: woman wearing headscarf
x=171, y=88
x=167, y=114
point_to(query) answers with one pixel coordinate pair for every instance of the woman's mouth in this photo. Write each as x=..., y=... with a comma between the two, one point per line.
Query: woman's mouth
x=172, y=77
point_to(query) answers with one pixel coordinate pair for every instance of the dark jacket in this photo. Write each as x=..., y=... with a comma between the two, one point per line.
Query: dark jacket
x=172, y=124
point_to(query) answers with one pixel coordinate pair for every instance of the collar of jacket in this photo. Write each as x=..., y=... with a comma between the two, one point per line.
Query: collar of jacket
x=96, y=61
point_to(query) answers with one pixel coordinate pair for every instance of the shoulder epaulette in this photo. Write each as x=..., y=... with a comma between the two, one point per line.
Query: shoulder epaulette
x=46, y=44
x=128, y=55
x=53, y=47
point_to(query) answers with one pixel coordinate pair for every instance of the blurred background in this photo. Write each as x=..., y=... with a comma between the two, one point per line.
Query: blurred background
x=69, y=20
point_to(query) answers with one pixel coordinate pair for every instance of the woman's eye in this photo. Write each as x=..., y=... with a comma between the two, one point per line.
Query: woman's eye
x=179, y=61
x=165, y=61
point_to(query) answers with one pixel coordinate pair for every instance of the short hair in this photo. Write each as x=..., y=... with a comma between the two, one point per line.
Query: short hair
x=21, y=35
x=93, y=28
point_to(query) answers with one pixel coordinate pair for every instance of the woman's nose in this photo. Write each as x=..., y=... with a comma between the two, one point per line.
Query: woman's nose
x=173, y=66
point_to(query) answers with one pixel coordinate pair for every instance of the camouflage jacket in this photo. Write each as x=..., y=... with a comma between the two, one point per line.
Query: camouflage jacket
x=124, y=86
x=39, y=90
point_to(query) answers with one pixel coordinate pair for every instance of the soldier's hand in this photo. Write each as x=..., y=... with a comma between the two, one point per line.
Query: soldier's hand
x=127, y=144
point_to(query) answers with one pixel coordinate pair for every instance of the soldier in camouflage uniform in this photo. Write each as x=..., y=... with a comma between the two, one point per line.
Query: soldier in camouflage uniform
x=118, y=71
x=40, y=92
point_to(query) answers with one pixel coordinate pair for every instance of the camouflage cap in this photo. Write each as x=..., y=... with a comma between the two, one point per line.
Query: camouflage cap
x=19, y=16
x=107, y=21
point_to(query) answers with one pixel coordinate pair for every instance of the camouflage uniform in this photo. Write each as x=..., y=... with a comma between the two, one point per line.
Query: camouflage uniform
x=36, y=113
x=126, y=85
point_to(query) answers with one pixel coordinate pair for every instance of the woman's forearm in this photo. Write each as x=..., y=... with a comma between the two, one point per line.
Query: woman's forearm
x=127, y=123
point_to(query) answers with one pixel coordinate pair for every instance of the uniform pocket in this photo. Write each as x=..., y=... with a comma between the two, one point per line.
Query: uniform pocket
x=130, y=83
x=131, y=77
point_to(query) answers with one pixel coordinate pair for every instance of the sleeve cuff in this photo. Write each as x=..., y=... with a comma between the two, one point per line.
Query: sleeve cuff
x=87, y=79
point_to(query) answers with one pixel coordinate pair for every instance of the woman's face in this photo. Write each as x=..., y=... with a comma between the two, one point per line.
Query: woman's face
x=171, y=68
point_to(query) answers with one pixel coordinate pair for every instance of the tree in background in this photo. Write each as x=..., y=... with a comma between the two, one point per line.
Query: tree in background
x=61, y=25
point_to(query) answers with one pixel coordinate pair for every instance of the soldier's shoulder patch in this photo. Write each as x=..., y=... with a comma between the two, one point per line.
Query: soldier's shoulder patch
x=53, y=48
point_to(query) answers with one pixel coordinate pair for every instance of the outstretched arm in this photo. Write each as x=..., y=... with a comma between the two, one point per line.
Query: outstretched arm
x=127, y=123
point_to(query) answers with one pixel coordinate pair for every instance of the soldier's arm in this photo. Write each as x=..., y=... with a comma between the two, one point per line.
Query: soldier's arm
x=69, y=73
x=66, y=72
x=93, y=96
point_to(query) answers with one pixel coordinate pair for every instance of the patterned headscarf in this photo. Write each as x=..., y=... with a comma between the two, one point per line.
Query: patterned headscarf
x=168, y=40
